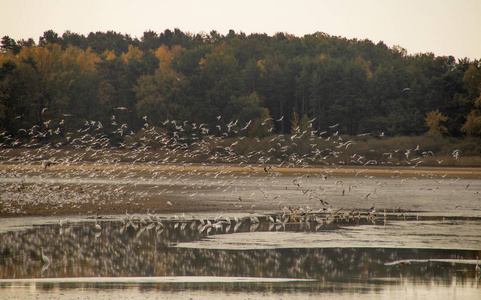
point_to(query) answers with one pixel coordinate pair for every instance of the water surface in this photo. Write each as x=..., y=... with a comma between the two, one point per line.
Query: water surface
x=289, y=256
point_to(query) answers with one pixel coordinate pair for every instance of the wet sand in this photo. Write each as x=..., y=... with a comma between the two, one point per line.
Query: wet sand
x=62, y=190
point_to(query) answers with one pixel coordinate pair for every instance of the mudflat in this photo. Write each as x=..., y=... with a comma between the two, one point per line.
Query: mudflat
x=85, y=189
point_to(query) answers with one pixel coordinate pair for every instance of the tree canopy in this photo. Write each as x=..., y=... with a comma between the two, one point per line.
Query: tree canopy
x=206, y=77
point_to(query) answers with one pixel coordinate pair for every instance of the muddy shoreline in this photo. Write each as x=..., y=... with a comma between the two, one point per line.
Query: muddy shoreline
x=89, y=189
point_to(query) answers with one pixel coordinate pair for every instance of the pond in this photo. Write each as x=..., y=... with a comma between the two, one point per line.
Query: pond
x=289, y=255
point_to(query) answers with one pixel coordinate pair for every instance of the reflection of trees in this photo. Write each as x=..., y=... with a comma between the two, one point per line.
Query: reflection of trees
x=142, y=247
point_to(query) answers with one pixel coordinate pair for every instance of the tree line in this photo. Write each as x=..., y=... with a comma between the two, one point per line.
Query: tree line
x=317, y=80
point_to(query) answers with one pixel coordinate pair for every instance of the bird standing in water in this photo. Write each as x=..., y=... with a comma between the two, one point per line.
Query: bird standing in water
x=45, y=258
x=477, y=268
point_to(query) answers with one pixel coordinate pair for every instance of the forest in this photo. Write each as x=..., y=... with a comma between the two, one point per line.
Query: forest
x=63, y=82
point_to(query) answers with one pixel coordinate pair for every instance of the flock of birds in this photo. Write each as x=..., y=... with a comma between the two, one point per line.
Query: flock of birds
x=97, y=166
x=87, y=151
x=181, y=142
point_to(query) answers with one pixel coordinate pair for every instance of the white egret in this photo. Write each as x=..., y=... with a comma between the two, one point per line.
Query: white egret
x=45, y=257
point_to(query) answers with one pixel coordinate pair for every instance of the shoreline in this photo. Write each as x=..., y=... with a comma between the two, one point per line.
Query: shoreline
x=90, y=189
x=471, y=172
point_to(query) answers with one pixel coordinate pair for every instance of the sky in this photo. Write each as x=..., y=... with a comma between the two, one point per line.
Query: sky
x=442, y=27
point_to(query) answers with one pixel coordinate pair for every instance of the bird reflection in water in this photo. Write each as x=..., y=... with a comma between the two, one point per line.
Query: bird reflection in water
x=145, y=246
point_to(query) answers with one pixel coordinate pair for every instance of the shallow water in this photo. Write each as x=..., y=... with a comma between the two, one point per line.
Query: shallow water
x=290, y=256
x=322, y=238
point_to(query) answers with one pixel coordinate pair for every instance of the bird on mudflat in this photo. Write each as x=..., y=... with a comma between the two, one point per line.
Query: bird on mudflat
x=46, y=164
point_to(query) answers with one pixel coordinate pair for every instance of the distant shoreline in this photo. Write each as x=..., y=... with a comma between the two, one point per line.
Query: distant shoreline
x=401, y=171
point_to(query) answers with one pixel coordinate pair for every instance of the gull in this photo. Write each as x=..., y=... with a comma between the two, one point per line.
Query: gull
x=254, y=219
x=373, y=210
x=389, y=154
x=231, y=124
x=265, y=121
x=247, y=125
x=218, y=225
x=455, y=154
x=97, y=226
x=280, y=119
x=237, y=225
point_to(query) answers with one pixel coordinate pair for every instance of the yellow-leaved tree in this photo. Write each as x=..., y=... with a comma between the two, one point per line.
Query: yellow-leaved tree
x=434, y=120
x=161, y=95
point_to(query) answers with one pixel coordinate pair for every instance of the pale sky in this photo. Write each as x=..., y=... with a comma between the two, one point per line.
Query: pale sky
x=443, y=27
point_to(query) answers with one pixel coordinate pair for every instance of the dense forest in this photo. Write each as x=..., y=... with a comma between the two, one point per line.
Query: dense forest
x=162, y=80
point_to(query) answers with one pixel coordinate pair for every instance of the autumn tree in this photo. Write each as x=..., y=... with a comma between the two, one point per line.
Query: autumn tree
x=162, y=95
x=472, y=126
x=434, y=120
